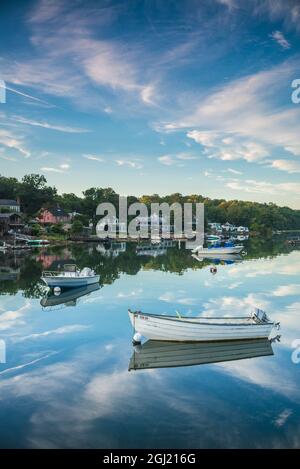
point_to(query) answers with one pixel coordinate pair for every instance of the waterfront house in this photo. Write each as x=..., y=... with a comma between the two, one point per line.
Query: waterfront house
x=10, y=221
x=9, y=205
x=53, y=216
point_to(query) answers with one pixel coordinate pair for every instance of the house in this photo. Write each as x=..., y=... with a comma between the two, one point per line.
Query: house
x=53, y=216
x=215, y=226
x=9, y=205
x=228, y=227
x=10, y=221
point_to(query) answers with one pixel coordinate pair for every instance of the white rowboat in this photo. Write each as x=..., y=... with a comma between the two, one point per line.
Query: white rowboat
x=70, y=277
x=199, y=329
x=159, y=354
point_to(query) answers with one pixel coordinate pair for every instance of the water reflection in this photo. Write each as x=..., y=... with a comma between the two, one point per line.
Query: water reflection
x=160, y=354
x=67, y=296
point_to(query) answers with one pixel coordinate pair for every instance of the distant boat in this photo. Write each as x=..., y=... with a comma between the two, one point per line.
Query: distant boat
x=37, y=242
x=217, y=249
x=160, y=354
x=70, y=277
x=69, y=296
x=199, y=329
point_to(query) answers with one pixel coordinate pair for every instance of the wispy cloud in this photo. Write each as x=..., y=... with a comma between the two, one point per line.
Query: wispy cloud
x=135, y=164
x=280, y=39
x=46, y=125
x=10, y=140
x=93, y=157
x=290, y=166
x=61, y=169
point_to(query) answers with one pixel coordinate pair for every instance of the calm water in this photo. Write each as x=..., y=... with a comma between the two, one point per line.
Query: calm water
x=66, y=382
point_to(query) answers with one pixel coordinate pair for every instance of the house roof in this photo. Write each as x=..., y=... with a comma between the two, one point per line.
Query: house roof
x=57, y=212
x=8, y=215
x=8, y=202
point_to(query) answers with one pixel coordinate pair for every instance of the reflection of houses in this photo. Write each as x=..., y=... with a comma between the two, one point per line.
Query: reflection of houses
x=53, y=216
x=10, y=221
x=154, y=250
x=48, y=260
x=111, y=251
x=10, y=205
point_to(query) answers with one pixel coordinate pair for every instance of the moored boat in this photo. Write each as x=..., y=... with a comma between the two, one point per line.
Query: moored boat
x=198, y=329
x=70, y=277
x=160, y=354
x=67, y=296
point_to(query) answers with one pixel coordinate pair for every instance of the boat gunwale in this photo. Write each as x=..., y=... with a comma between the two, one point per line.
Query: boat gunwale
x=191, y=318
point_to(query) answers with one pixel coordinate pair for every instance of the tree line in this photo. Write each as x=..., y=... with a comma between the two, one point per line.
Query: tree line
x=35, y=193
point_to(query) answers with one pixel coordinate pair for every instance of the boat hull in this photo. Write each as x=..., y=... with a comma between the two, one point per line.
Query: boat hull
x=69, y=282
x=169, y=328
x=159, y=354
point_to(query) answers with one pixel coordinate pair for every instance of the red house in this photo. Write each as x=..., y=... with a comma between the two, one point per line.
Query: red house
x=52, y=216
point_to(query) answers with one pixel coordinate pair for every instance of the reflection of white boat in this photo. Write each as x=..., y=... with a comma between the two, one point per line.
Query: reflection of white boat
x=70, y=277
x=198, y=329
x=230, y=258
x=216, y=250
x=3, y=247
x=159, y=354
x=68, y=296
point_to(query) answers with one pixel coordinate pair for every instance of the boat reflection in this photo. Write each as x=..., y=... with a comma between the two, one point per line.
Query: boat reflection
x=67, y=296
x=221, y=259
x=159, y=354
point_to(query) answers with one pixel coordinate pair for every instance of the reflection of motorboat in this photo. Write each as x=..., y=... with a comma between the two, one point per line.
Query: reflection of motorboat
x=68, y=296
x=222, y=258
x=71, y=276
x=217, y=249
x=200, y=329
x=159, y=354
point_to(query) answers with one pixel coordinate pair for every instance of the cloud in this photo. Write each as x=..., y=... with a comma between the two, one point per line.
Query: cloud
x=130, y=163
x=286, y=290
x=234, y=171
x=61, y=169
x=93, y=157
x=243, y=119
x=286, y=165
x=170, y=160
x=9, y=140
x=46, y=125
x=59, y=331
x=283, y=417
x=9, y=319
x=280, y=39
x=252, y=186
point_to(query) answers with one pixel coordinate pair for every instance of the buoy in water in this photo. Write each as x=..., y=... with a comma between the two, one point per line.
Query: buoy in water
x=57, y=291
x=137, y=339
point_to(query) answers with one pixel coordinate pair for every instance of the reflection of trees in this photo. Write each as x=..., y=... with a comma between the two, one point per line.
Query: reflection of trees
x=110, y=267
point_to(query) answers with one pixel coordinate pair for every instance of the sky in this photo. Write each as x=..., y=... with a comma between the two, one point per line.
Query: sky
x=153, y=96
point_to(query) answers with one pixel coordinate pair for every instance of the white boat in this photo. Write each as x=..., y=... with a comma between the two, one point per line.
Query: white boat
x=70, y=277
x=216, y=250
x=159, y=354
x=199, y=329
x=213, y=237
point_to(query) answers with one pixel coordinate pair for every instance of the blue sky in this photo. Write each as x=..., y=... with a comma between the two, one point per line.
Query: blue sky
x=153, y=96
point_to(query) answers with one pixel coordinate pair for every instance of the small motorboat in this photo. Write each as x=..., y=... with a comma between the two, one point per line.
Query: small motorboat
x=159, y=354
x=71, y=276
x=199, y=329
x=217, y=249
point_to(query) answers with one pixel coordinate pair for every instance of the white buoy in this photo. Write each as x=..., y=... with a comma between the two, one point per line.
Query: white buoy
x=57, y=291
x=137, y=338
